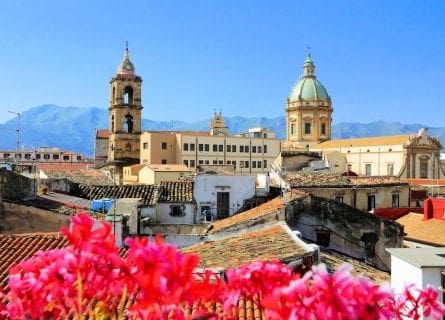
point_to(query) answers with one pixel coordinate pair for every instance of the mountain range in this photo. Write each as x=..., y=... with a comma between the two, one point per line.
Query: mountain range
x=73, y=128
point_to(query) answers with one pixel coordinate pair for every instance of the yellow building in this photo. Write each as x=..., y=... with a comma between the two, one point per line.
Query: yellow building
x=154, y=173
x=252, y=152
x=308, y=111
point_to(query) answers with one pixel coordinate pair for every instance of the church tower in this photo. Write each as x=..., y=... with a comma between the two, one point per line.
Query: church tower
x=308, y=111
x=124, y=118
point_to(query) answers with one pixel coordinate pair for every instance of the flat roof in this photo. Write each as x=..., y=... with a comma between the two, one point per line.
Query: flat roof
x=421, y=257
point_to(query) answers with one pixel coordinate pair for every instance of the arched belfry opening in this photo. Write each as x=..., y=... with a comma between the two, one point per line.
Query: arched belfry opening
x=128, y=123
x=128, y=95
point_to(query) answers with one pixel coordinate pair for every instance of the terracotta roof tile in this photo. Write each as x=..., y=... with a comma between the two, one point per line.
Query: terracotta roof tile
x=18, y=247
x=431, y=231
x=102, y=134
x=147, y=193
x=176, y=191
x=326, y=179
x=369, y=141
x=275, y=242
x=271, y=207
x=334, y=260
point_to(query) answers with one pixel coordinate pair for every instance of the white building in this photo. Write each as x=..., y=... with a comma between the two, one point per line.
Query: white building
x=418, y=266
x=219, y=196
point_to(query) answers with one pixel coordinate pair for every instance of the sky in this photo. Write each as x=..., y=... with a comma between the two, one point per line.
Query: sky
x=379, y=60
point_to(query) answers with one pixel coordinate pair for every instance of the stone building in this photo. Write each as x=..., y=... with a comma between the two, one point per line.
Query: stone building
x=406, y=156
x=308, y=111
x=308, y=128
x=363, y=193
x=124, y=118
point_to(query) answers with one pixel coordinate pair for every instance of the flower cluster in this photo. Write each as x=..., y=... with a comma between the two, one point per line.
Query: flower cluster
x=90, y=279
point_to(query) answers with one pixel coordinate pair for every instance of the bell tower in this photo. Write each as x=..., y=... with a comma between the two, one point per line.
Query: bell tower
x=124, y=118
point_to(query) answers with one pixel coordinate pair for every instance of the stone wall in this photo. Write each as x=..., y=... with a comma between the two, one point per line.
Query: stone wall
x=15, y=187
x=344, y=229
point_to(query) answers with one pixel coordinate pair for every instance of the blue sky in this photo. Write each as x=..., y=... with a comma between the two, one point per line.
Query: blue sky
x=379, y=60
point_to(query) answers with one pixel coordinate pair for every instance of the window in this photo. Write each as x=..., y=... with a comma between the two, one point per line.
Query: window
x=185, y=162
x=46, y=156
x=215, y=161
x=259, y=149
x=27, y=156
x=164, y=145
x=241, y=148
x=39, y=156
x=368, y=169
x=220, y=162
x=395, y=200
x=292, y=129
x=177, y=210
x=246, y=164
x=371, y=202
x=206, y=147
x=323, y=128
x=390, y=169
x=55, y=156
x=233, y=148
x=206, y=161
x=192, y=163
x=65, y=158
x=215, y=148
x=145, y=145
x=229, y=148
x=253, y=149
x=423, y=169
x=186, y=147
x=6, y=155
x=265, y=148
x=192, y=147
x=258, y=164
x=164, y=161
x=200, y=162
x=220, y=148
x=307, y=128
x=200, y=147
x=254, y=164
x=264, y=163
x=246, y=149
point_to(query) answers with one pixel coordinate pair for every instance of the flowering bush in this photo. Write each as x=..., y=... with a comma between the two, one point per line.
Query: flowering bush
x=90, y=279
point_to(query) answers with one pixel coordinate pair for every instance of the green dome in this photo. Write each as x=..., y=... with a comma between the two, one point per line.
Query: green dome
x=308, y=88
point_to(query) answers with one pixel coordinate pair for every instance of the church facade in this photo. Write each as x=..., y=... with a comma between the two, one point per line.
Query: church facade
x=308, y=127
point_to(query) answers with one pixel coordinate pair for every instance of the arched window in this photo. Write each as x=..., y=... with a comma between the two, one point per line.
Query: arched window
x=112, y=123
x=128, y=95
x=128, y=123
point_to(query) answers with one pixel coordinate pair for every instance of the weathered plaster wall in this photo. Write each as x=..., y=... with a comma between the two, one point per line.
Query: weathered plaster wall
x=345, y=229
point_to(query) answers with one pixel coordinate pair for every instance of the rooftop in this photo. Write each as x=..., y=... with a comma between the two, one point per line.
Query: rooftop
x=431, y=231
x=275, y=242
x=421, y=257
x=327, y=179
x=370, y=141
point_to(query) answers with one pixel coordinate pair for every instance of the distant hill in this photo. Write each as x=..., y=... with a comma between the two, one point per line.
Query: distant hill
x=73, y=128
